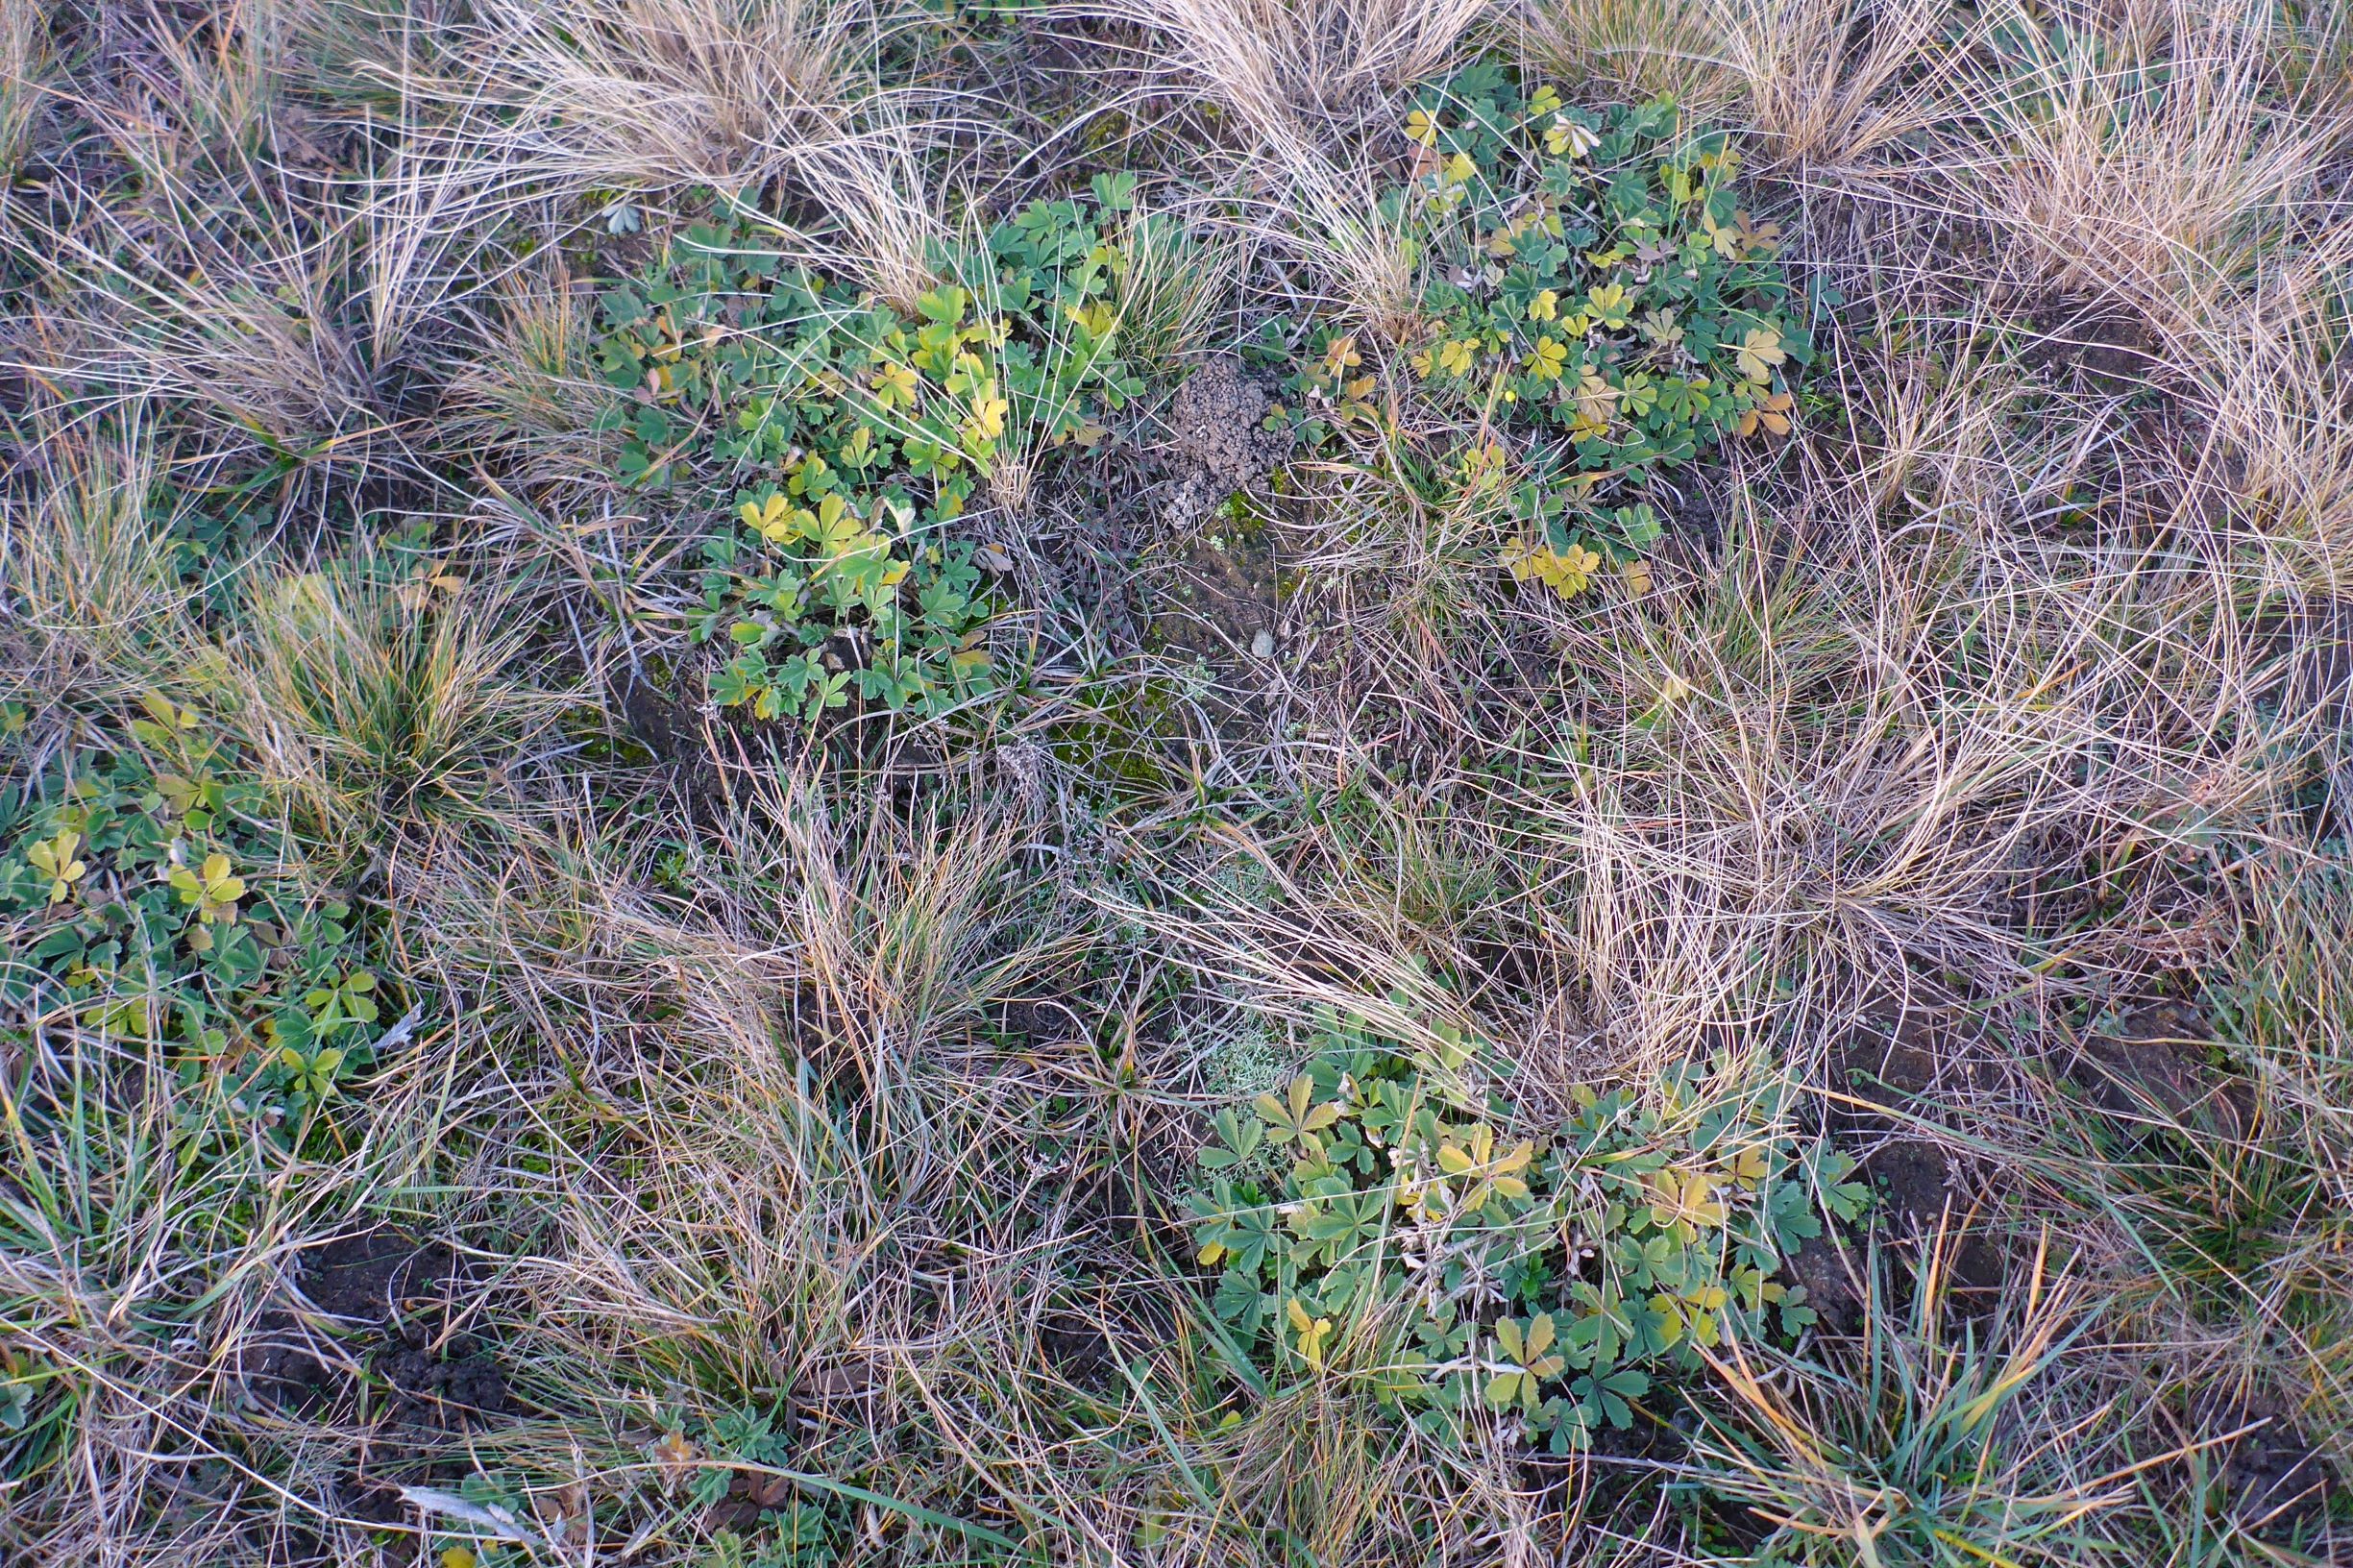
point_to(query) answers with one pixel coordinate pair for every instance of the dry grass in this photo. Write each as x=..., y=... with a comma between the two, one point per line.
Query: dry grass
x=660, y=93
x=25, y=62
x=1827, y=82
x=2165, y=164
x=373, y=704
x=261, y=344
x=89, y=564
x=1637, y=48
x=852, y=1087
x=1280, y=64
x=534, y=398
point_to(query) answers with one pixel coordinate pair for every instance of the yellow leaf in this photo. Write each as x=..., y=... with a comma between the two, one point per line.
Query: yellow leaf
x=1760, y=351
x=1596, y=400
x=895, y=385
x=1566, y=135
x=1567, y=574
x=57, y=861
x=167, y=713
x=674, y=1455
x=1685, y=1200
x=1772, y=415
x=1311, y=1331
x=989, y=416
x=771, y=519
x=1671, y=1312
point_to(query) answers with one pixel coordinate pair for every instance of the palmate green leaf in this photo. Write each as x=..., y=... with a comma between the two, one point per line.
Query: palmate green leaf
x=1602, y=269
x=1347, y=1146
x=739, y=681
x=161, y=945
x=1238, y=1140
x=1239, y=1300
x=1342, y=1238
x=1384, y=1114
x=1599, y=1397
x=1113, y=192
x=1251, y=1238
x=1339, y=1227
x=1528, y=1358
x=895, y=684
x=1292, y=1118
x=944, y=605
x=942, y=306
x=1790, y=1217
x=814, y=686
x=855, y=400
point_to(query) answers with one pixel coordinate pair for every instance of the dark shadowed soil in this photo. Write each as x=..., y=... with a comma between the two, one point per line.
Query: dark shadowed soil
x=1897, y=1063
x=2154, y=1061
x=376, y=1311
